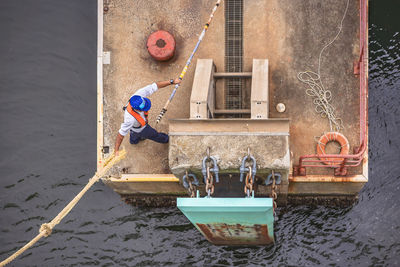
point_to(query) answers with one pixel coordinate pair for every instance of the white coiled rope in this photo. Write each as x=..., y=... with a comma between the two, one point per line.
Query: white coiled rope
x=322, y=97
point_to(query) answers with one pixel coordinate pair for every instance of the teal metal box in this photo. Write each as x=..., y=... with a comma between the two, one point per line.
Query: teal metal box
x=231, y=221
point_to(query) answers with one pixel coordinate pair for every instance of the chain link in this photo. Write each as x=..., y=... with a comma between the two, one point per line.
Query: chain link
x=192, y=188
x=209, y=183
x=248, y=187
x=274, y=195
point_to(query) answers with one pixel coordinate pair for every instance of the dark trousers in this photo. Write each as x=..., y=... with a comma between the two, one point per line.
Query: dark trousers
x=148, y=133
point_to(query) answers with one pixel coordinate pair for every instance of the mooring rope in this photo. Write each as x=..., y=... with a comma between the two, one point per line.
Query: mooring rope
x=46, y=228
x=323, y=97
x=164, y=109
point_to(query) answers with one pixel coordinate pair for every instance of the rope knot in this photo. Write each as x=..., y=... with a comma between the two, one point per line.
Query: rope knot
x=47, y=228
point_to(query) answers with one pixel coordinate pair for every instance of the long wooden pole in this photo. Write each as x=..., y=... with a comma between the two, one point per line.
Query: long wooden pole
x=164, y=109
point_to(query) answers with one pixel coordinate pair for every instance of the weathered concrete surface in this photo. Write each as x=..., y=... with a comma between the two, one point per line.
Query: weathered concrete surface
x=149, y=200
x=229, y=140
x=271, y=152
x=325, y=188
x=289, y=33
x=151, y=188
x=127, y=25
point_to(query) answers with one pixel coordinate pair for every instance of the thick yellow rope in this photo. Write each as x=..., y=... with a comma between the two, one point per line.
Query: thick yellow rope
x=46, y=228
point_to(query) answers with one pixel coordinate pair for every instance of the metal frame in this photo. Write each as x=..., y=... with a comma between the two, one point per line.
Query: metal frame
x=234, y=53
x=352, y=160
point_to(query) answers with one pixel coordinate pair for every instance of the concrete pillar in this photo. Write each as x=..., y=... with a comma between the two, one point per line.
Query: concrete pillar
x=202, y=99
x=259, y=89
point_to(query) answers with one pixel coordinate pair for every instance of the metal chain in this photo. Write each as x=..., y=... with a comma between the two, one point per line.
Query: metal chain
x=274, y=195
x=209, y=183
x=192, y=188
x=248, y=187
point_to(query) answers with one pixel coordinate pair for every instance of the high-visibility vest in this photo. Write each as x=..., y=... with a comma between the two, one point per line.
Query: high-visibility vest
x=137, y=116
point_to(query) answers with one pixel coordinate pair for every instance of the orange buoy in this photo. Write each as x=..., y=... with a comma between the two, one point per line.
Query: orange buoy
x=333, y=137
x=161, y=45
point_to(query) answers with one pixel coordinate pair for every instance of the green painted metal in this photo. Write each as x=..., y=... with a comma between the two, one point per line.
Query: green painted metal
x=231, y=221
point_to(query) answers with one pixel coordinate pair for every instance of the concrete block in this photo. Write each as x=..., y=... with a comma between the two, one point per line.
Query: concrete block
x=259, y=89
x=202, y=99
x=228, y=140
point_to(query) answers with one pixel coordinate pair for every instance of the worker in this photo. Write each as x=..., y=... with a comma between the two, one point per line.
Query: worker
x=135, y=117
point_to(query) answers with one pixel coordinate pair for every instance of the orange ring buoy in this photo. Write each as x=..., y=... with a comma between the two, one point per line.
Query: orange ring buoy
x=329, y=137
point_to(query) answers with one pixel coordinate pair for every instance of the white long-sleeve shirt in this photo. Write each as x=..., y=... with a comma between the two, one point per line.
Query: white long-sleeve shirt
x=130, y=123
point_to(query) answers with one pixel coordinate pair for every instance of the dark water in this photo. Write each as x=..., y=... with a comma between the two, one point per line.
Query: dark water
x=47, y=148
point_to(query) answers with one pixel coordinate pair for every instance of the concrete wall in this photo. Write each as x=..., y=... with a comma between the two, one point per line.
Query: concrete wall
x=229, y=140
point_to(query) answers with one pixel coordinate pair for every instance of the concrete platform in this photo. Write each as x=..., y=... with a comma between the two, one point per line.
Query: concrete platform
x=289, y=33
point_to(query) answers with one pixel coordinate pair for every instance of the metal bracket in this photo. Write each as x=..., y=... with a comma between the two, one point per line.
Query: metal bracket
x=214, y=169
x=185, y=180
x=299, y=171
x=105, y=149
x=278, y=179
x=243, y=168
